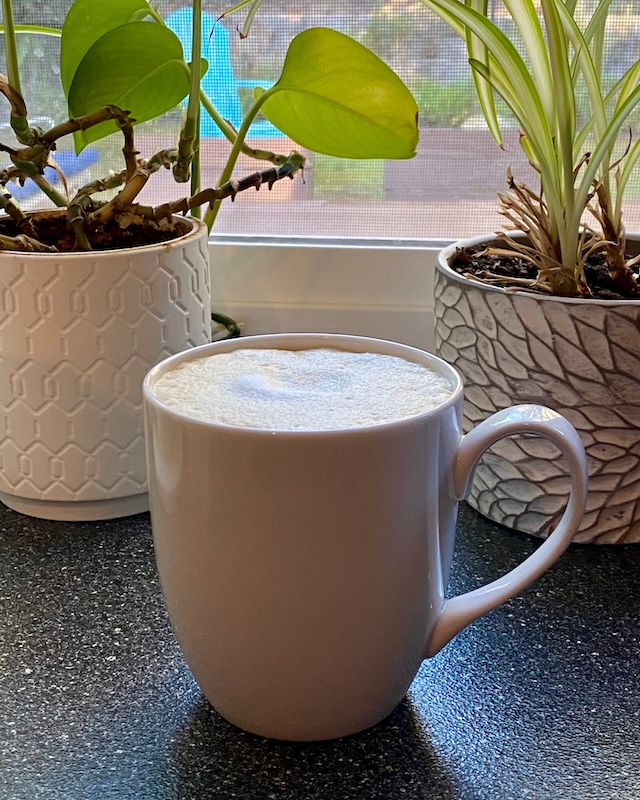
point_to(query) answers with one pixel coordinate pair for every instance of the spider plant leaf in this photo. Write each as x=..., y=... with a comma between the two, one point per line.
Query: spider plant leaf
x=624, y=89
x=630, y=80
x=479, y=53
x=585, y=65
x=543, y=159
x=625, y=173
x=527, y=21
x=603, y=147
x=493, y=74
x=563, y=89
x=336, y=97
x=594, y=34
x=85, y=23
x=583, y=62
x=139, y=67
x=588, y=49
x=513, y=66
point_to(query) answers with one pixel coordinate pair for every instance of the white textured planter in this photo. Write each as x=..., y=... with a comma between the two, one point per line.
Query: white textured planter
x=581, y=358
x=78, y=332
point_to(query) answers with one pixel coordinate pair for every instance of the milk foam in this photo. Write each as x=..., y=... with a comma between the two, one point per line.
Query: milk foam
x=301, y=390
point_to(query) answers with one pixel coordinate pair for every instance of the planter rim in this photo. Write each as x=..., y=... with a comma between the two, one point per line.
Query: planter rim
x=198, y=227
x=445, y=254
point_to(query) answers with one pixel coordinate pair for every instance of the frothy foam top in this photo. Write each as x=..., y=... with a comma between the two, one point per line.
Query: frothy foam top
x=301, y=390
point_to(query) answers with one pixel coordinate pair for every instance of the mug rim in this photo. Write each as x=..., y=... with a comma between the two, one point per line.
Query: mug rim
x=287, y=341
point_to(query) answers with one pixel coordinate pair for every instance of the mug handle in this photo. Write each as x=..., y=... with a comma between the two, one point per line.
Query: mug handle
x=458, y=612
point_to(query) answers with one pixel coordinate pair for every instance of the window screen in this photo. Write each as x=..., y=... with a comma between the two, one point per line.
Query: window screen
x=448, y=190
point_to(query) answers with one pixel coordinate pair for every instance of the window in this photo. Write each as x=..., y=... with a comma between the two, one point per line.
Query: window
x=448, y=190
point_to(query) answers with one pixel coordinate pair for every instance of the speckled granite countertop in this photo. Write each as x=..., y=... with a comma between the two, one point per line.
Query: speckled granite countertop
x=540, y=699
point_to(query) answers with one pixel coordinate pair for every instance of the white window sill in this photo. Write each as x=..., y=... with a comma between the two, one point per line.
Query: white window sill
x=384, y=291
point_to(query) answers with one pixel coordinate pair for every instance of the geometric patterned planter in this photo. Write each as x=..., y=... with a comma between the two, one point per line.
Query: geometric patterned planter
x=78, y=332
x=579, y=357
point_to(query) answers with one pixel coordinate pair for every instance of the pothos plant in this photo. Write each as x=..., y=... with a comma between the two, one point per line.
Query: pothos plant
x=121, y=65
x=583, y=158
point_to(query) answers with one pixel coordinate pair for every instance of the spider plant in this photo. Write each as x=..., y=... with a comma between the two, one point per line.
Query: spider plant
x=583, y=162
x=121, y=65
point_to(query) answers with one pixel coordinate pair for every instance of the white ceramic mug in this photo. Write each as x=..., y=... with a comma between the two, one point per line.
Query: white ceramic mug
x=304, y=572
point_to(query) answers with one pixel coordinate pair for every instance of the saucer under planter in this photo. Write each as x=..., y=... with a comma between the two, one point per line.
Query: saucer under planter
x=78, y=332
x=580, y=357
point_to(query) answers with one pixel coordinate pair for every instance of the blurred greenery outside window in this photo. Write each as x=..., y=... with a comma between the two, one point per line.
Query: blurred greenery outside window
x=447, y=191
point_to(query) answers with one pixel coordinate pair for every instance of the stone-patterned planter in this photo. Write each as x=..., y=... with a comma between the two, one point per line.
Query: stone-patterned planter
x=78, y=332
x=579, y=357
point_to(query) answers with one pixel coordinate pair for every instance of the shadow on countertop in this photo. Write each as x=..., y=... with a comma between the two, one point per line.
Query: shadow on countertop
x=391, y=760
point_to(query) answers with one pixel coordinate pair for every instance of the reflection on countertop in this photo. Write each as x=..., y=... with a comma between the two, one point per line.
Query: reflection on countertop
x=540, y=699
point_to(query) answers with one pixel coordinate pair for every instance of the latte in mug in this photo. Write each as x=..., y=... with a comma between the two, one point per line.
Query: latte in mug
x=301, y=390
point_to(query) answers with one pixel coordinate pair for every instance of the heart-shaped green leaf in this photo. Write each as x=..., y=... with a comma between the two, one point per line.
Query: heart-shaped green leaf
x=139, y=67
x=85, y=23
x=337, y=97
